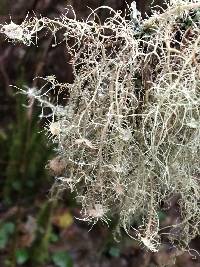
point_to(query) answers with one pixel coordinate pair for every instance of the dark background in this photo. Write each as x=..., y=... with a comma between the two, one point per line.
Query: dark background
x=35, y=230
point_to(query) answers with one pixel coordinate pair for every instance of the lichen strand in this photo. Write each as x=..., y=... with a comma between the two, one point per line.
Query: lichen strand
x=130, y=132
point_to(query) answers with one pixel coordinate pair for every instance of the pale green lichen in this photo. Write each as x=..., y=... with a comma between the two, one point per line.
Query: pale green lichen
x=130, y=132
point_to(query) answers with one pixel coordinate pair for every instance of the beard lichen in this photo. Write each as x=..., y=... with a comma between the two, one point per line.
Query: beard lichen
x=129, y=135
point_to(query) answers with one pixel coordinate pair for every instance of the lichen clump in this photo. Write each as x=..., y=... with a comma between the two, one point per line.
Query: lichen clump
x=130, y=132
